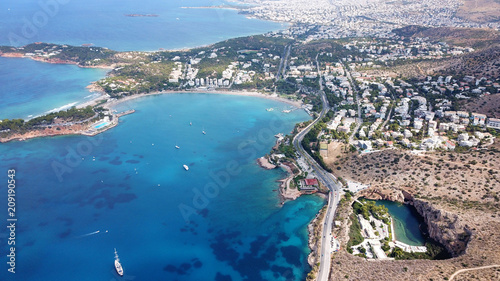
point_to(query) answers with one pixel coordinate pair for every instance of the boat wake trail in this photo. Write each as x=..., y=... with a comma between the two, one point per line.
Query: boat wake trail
x=89, y=234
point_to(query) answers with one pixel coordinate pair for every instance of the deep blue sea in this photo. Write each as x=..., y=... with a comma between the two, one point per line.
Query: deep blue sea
x=104, y=24
x=30, y=88
x=221, y=220
x=79, y=198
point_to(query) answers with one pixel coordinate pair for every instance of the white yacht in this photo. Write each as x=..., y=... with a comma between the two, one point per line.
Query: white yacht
x=118, y=265
x=185, y=167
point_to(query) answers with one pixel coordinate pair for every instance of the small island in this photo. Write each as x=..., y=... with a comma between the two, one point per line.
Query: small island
x=142, y=15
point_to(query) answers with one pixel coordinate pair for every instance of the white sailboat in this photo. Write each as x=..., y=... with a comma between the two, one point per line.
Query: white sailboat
x=118, y=265
x=186, y=167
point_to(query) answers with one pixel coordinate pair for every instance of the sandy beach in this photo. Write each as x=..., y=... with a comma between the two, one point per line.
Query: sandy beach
x=84, y=130
x=115, y=102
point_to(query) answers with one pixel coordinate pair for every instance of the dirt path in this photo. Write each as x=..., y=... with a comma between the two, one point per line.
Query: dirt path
x=470, y=269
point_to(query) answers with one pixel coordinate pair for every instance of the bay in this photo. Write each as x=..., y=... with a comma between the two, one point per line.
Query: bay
x=78, y=198
x=30, y=88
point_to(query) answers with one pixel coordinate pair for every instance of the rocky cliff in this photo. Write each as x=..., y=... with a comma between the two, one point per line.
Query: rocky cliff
x=395, y=195
x=444, y=227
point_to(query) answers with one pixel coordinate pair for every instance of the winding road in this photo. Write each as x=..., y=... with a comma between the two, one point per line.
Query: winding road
x=329, y=181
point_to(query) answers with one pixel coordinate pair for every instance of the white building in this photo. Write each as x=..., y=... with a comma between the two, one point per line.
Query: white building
x=493, y=123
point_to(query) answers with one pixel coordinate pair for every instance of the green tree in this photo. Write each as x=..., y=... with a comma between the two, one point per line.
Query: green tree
x=397, y=252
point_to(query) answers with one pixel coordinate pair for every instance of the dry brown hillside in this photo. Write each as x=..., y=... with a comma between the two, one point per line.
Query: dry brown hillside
x=465, y=37
x=480, y=11
x=472, y=176
x=483, y=63
x=465, y=188
x=489, y=105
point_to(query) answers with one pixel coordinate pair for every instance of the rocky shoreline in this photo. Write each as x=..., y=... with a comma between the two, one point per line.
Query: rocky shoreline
x=55, y=61
x=264, y=163
x=285, y=191
x=315, y=228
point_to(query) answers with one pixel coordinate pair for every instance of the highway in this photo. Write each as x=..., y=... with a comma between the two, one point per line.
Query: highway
x=330, y=182
x=283, y=62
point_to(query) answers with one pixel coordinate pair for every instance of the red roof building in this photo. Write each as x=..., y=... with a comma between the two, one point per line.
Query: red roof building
x=311, y=181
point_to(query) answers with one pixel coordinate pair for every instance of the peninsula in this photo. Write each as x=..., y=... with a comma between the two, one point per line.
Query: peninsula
x=410, y=115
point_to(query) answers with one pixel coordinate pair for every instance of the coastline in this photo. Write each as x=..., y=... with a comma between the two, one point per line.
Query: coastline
x=88, y=131
x=54, y=61
x=314, y=229
x=212, y=7
x=287, y=193
x=264, y=163
x=392, y=230
x=115, y=102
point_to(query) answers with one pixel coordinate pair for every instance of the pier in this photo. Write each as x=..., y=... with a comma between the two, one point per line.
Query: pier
x=125, y=113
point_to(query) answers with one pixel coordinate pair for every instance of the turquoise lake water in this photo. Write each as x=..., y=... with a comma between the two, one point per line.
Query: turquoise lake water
x=104, y=24
x=406, y=223
x=221, y=220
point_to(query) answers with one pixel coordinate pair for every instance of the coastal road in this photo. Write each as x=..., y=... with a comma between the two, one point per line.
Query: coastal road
x=330, y=182
x=283, y=62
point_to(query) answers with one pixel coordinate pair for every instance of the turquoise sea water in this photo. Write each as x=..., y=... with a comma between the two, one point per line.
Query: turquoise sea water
x=406, y=223
x=30, y=88
x=221, y=220
x=78, y=198
x=103, y=23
